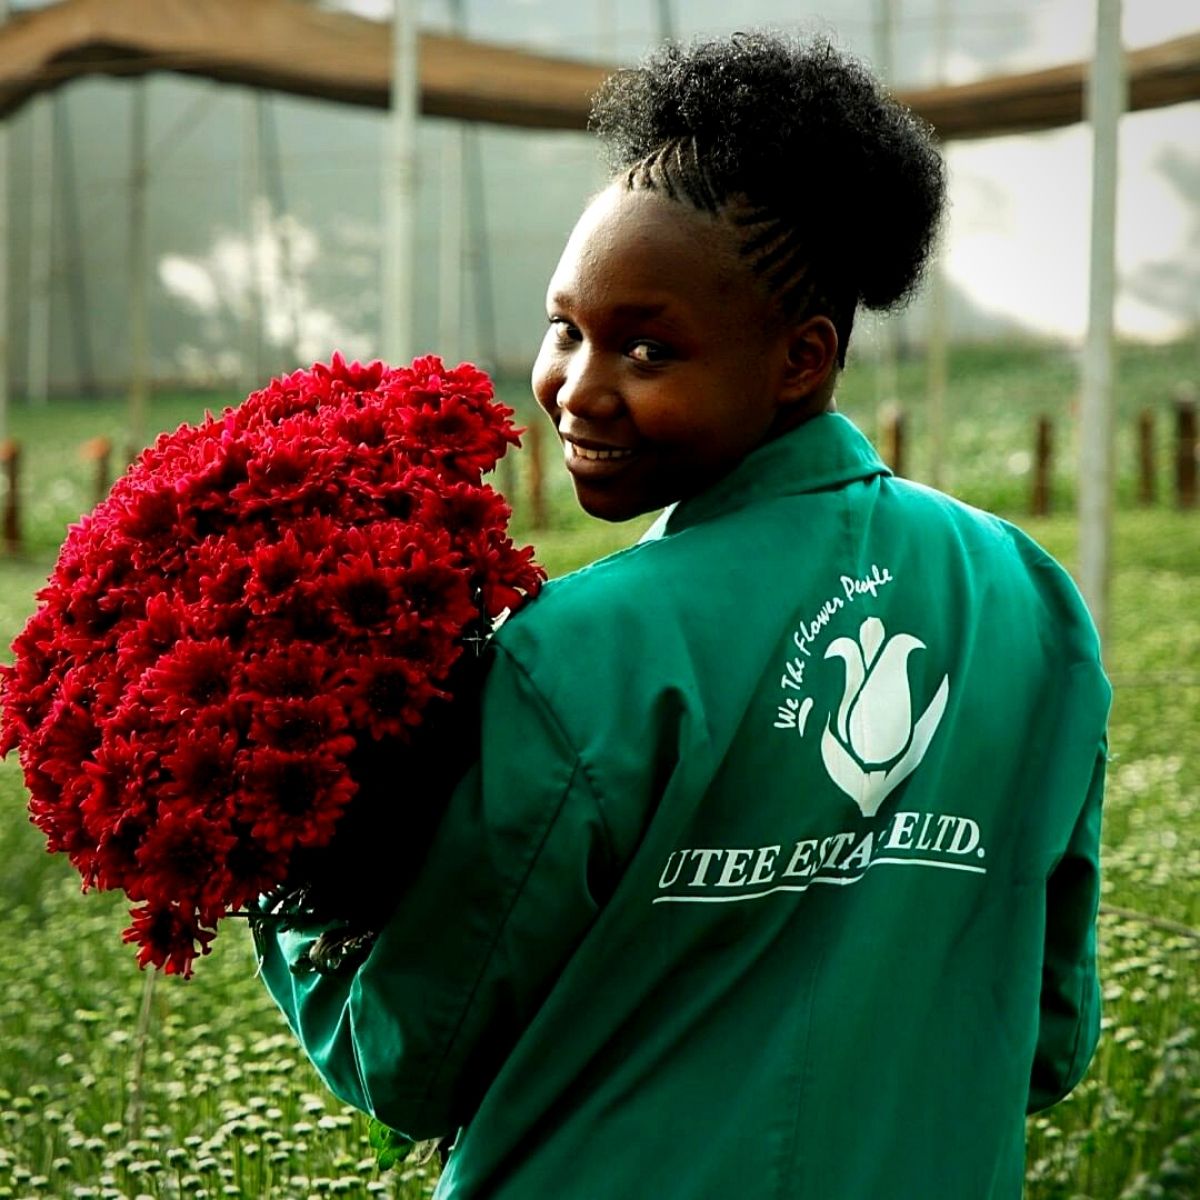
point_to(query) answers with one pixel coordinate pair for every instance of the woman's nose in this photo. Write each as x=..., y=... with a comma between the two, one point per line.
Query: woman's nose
x=587, y=389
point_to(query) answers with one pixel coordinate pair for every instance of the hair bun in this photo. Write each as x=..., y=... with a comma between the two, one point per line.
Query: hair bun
x=802, y=130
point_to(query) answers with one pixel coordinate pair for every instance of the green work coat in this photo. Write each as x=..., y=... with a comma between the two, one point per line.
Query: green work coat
x=776, y=875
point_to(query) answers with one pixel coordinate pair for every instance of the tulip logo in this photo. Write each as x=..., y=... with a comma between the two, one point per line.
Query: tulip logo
x=877, y=744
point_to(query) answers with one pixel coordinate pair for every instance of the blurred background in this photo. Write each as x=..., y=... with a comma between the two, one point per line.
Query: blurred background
x=264, y=210
x=177, y=239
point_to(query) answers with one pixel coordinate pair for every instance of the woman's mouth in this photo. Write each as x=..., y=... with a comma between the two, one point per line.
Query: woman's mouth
x=592, y=455
x=595, y=461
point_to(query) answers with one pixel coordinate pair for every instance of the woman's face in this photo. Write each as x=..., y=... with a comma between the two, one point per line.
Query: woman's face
x=660, y=369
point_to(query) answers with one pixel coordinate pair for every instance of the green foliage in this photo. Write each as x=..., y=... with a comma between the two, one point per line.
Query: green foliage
x=390, y=1146
x=216, y=1099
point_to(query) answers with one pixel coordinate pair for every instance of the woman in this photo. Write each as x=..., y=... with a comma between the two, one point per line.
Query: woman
x=776, y=875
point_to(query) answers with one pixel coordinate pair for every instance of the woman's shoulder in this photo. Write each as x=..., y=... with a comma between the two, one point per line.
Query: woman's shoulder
x=584, y=607
x=1009, y=559
x=605, y=652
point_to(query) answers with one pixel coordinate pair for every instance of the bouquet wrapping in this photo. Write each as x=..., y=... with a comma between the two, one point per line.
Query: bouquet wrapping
x=254, y=642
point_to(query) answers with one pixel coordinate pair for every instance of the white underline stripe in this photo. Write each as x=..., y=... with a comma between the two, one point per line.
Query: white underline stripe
x=841, y=882
x=931, y=862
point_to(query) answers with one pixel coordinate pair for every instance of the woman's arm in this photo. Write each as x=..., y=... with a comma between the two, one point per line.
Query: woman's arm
x=1069, y=1026
x=415, y=1035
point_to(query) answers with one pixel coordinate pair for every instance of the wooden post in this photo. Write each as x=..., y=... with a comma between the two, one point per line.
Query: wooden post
x=1147, y=483
x=5, y=348
x=1043, y=467
x=10, y=460
x=893, y=438
x=1185, y=449
x=537, y=498
x=505, y=480
x=98, y=451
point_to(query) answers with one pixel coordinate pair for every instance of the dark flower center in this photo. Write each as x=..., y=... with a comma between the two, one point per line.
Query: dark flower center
x=208, y=683
x=296, y=786
x=387, y=692
x=187, y=855
x=366, y=600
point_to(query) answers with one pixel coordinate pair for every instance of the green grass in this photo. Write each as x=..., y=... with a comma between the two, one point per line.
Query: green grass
x=216, y=1100
x=1132, y=1128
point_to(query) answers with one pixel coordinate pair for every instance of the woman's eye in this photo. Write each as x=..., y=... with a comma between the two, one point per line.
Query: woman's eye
x=563, y=331
x=648, y=352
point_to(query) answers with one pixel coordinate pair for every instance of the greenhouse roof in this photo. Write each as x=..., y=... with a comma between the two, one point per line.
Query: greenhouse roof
x=293, y=48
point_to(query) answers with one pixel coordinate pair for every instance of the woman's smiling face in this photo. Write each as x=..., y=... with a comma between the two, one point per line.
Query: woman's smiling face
x=662, y=367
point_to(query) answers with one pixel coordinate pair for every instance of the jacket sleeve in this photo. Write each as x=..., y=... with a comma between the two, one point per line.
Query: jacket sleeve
x=415, y=1035
x=1069, y=1024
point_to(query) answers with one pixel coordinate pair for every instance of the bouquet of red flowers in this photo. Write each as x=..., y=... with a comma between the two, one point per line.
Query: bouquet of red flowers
x=263, y=619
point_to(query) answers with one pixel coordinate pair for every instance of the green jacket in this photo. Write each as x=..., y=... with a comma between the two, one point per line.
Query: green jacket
x=776, y=876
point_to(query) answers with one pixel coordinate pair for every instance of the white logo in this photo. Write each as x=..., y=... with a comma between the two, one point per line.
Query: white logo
x=877, y=745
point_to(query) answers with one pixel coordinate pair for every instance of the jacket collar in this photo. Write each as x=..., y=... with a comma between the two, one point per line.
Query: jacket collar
x=825, y=452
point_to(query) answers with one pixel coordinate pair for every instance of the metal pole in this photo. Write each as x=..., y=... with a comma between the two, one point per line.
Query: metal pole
x=400, y=189
x=450, y=341
x=1106, y=98
x=938, y=352
x=476, y=263
x=941, y=38
x=885, y=40
x=937, y=348
x=3, y=262
x=72, y=242
x=886, y=383
x=41, y=231
x=253, y=201
x=666, y=21
x=481, y=256
x=609, y=28
x=139, y=255
x=277, y=201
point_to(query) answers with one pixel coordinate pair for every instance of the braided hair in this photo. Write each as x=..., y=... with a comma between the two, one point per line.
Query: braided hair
x=832, y=189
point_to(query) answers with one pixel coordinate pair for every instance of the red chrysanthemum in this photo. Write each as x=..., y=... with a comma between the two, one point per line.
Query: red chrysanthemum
x=261, y=598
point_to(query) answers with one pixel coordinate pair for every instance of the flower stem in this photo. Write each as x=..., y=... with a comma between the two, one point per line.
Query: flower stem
x=133, y=1111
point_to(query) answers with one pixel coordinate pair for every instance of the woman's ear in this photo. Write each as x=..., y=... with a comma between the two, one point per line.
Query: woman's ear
x=810, y=365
